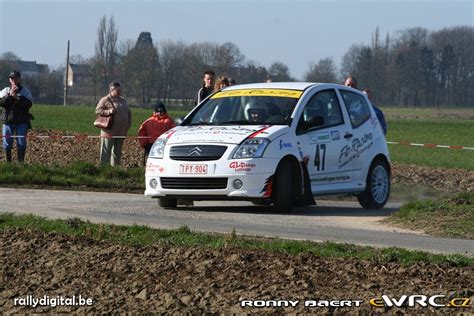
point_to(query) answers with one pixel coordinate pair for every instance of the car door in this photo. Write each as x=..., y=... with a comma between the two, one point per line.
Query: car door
x=321, y=136
x=358, y=152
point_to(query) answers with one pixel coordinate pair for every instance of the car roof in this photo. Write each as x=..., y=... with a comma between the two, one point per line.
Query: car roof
x=274, y=85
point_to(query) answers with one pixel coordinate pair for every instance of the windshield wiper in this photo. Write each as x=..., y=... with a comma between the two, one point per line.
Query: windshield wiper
x=198, y=123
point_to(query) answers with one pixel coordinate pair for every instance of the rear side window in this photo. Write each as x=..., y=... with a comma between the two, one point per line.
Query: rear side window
x=356, y=106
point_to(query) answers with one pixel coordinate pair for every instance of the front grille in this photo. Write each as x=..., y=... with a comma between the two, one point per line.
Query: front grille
x=197, y=152
x=194, y=183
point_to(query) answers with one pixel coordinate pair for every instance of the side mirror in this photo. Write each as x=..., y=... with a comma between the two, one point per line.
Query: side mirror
x=314, y=121
x=178, y=120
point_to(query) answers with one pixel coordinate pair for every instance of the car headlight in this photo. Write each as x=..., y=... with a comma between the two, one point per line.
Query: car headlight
x=158, y=148
x=251, y=148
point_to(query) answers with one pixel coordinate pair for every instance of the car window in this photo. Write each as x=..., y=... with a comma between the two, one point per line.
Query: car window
x=247, y=107
x=356, y=106
x=323, y=106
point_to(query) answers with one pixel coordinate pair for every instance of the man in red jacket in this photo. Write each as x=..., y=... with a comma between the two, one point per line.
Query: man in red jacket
x=154, y=126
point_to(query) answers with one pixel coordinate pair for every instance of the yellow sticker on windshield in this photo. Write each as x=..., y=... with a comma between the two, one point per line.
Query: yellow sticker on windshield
x=282, y=93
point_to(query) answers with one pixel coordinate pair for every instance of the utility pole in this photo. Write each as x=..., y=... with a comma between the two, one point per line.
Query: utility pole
x=66, y=75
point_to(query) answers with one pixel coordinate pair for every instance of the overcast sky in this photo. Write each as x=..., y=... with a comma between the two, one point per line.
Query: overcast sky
x=294, y=32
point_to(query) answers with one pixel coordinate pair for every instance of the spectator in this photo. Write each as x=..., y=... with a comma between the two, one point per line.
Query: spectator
x=232, y=81
x=377, y=111
x=351, y=82
x=221, y=83
x=207, y=86
x=112, y=138
x=16, y=102
x=154, y=126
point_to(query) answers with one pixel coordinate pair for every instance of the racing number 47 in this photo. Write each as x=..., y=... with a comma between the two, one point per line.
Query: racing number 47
x=320, y=157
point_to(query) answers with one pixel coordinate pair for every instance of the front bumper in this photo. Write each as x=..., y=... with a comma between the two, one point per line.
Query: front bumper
x=255, y=174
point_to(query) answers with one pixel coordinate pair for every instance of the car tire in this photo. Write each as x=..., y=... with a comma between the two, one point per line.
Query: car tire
x=377, y=190
x=167, y=202
x=283, y=195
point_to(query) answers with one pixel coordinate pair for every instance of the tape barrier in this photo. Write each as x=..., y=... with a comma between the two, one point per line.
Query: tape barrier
x=83, y=137
x=430, y=145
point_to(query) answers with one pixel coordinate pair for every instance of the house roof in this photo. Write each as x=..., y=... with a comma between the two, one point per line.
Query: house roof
x=28, y=66
x=80, y=69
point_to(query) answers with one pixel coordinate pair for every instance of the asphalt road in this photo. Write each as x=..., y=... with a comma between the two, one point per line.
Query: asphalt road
x=338, y=221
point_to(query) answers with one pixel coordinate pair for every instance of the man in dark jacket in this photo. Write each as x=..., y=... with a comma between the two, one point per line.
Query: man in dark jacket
x=16, y=101
x=207, y=86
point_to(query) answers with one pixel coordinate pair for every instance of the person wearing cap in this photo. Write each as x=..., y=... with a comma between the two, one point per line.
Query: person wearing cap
x=154, y=126
x=112, y=138
x=16, y=101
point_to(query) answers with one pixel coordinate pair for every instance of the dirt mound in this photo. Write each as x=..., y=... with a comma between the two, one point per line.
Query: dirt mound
x=160, y=278
x=443, y=179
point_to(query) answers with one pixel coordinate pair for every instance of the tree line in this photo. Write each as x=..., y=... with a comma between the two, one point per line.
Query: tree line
x=413, y=67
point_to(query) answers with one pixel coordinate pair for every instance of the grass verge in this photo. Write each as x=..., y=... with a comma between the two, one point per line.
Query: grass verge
x=142, y=236
x=447, y=217
x=78, y=175
x=440, y=132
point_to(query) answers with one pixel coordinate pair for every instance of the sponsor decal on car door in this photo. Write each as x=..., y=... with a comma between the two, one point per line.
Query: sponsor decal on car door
x=358, y=151
x=323, y=141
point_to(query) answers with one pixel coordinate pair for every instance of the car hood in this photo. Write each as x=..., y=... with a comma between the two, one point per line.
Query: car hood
x=233, y=134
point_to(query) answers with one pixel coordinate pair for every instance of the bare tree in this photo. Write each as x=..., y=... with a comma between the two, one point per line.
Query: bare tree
x=228, y=55
x=280, y=72
x=173, y=67
x=323, y=71
x=9, y=56
x=106, y=47
x=141, y=69
x=350, y=61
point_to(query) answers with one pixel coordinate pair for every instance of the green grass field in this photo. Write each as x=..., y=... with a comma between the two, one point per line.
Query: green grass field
x=80, y=118
x=440, y=132
x=415, y=125
x=441, y=126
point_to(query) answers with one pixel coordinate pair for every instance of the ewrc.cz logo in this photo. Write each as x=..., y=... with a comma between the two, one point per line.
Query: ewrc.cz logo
x=421, y=300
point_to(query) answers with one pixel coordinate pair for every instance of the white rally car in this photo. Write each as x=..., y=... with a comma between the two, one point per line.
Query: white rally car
x=273, y=143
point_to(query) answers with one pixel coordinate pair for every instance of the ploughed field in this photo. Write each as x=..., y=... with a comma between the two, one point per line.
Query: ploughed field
x=161, y=278
x=65, y=151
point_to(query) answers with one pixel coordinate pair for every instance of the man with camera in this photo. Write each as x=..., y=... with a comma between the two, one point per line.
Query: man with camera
x=16, y=102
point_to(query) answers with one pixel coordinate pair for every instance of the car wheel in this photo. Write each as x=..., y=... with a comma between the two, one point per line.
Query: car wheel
x=282, y=195
x=378, y=186
x=167, y=202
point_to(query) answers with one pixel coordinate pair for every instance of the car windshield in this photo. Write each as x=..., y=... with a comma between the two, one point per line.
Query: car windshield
x=246, y=107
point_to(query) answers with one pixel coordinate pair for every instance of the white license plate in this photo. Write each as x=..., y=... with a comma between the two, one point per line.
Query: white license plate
x=192, y=169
